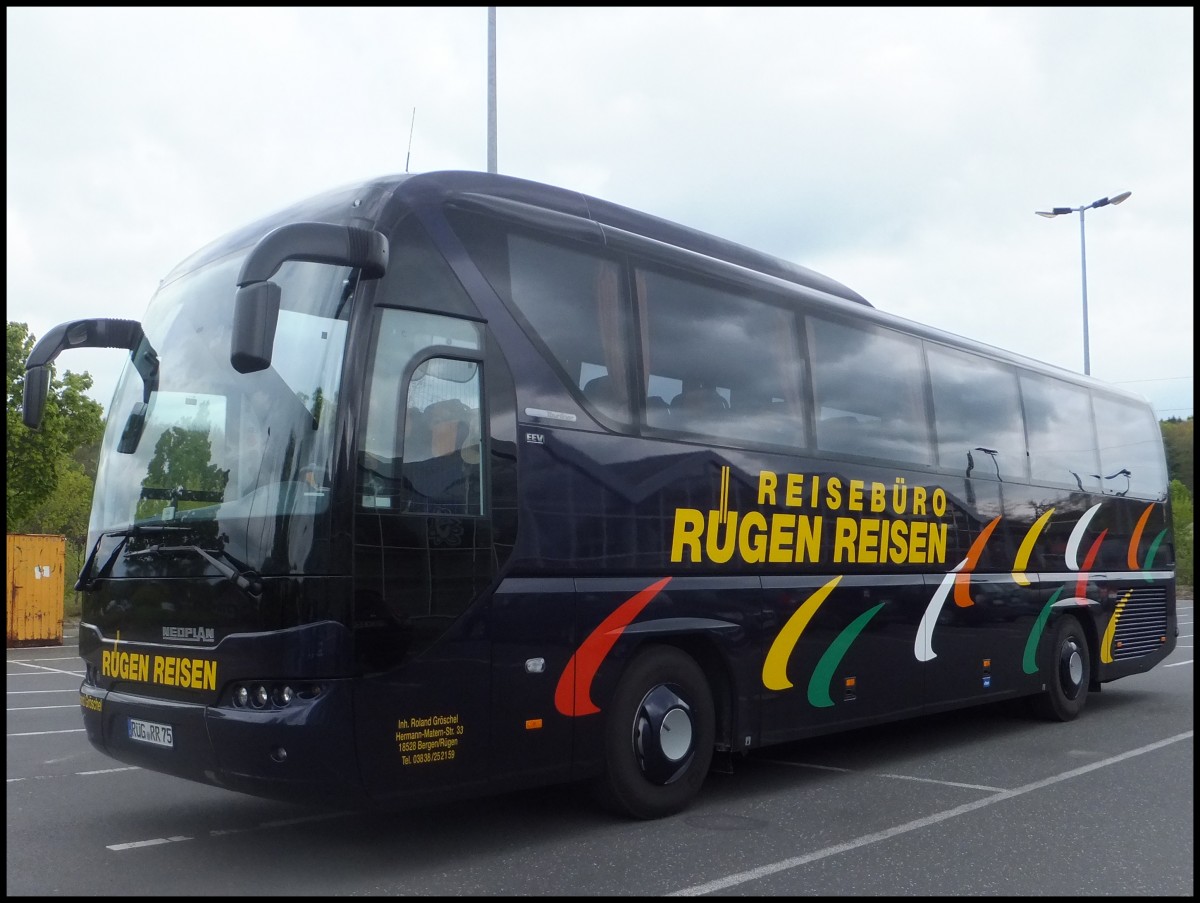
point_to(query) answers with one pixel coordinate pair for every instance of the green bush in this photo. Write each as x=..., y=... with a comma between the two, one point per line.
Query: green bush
x=72, y=604
x=1181, y=514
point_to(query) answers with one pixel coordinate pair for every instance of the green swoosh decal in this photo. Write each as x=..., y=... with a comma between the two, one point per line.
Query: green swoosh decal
x=818, y=684
x=1029, y=662
x=1150, y=552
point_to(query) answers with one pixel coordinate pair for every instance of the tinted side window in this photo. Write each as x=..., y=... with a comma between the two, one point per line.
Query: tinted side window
x=869, y=385
x=1058, y=424
x=1131, y=452
x=568, y=298
x=977, y=410
x=418, y=276
x=718, y=362
x=573, y=301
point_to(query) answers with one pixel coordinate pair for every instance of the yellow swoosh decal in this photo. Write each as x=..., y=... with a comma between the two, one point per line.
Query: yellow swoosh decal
x=1110, y=631
x=1027, y=548
x=774, y=673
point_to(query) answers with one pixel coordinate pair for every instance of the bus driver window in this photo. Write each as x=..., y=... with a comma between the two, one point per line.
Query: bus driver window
x=448, y=426
x=448, y=480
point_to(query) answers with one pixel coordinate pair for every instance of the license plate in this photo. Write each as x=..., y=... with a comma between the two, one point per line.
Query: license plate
x=149, y=732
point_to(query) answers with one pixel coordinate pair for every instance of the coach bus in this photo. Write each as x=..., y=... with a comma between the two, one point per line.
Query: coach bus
x=451, y=483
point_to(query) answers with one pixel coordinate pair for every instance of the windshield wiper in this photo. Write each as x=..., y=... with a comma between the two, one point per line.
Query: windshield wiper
x=85, y=582
x=243, y=578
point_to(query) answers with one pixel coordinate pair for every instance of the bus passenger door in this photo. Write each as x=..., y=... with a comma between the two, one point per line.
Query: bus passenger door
x=424, y=557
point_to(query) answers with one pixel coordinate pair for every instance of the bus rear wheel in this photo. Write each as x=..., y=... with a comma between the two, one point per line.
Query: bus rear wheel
x=1065, y=673
x=658, y=736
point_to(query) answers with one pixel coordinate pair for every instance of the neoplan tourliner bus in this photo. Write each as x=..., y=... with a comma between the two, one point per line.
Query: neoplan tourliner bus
x=451, y=483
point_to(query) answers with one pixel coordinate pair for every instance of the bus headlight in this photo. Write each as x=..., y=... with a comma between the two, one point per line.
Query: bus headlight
x=273, y=695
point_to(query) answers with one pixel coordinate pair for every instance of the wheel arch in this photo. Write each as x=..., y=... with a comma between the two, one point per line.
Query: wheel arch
x=1085, y=616
x=702, y=642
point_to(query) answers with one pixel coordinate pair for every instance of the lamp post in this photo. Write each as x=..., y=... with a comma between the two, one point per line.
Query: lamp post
x=491, y=123
x=1056, y=211
x=991, y=453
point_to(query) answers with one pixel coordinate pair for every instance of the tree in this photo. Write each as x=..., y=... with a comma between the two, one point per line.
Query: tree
x=1181, y=512
x=183, y=461
x=37, y=460
x=1177, y=439
x=69, y=507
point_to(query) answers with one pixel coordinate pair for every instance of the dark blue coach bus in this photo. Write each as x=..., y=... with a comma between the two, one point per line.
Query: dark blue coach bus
x=452, y=483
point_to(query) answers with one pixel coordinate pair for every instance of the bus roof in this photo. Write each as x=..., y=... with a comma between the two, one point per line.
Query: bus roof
x=380, y=200
x=371, y=200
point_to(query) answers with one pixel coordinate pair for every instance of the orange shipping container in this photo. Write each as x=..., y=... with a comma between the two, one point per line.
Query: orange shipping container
x=36, y=583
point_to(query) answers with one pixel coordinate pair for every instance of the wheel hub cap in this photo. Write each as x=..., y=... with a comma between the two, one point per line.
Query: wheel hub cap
x=663, y=735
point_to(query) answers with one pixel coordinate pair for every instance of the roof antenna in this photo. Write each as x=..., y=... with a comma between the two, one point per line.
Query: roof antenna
x=408, y=156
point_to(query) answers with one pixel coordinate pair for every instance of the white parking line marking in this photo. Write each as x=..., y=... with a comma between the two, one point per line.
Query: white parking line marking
x=899, y=777
x=773, y=868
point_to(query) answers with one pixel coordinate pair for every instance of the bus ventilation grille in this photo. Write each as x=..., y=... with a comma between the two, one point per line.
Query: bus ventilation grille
x=1143, y=624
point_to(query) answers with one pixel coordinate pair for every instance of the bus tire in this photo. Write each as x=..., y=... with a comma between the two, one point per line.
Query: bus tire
x=1066, y=673
x=658, y=735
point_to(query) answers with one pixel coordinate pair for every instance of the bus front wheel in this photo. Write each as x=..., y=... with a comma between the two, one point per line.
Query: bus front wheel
x=658, y=735
x=1065, y=673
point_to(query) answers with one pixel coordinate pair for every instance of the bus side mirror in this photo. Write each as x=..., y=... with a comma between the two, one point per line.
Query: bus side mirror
x=91, y=333
x=37, y=388
x=256, y=308
x=255, y=315
x=135, y=425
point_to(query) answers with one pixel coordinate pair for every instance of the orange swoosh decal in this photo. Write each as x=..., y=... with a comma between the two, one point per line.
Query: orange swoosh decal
x=962, y=580
x=572, y=696
x=1137, y=537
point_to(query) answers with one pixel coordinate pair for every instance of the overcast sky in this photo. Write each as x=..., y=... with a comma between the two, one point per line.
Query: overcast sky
x=902, y=152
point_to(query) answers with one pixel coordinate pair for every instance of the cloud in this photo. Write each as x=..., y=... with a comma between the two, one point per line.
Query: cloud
x=900, y=151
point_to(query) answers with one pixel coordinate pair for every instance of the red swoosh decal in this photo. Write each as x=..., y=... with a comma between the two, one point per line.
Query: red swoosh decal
x=1081, y=586
x=572, y=696
x=962, y=580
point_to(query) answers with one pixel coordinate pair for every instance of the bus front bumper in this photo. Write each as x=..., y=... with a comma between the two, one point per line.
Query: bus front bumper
x=304, y=752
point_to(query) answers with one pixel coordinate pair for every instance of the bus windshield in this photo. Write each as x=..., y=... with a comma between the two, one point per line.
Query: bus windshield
x=210, y=446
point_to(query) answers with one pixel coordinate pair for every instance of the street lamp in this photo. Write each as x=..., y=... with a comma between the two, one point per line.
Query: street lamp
x=491, y=76
x=1056, y=211
x=991, y=452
